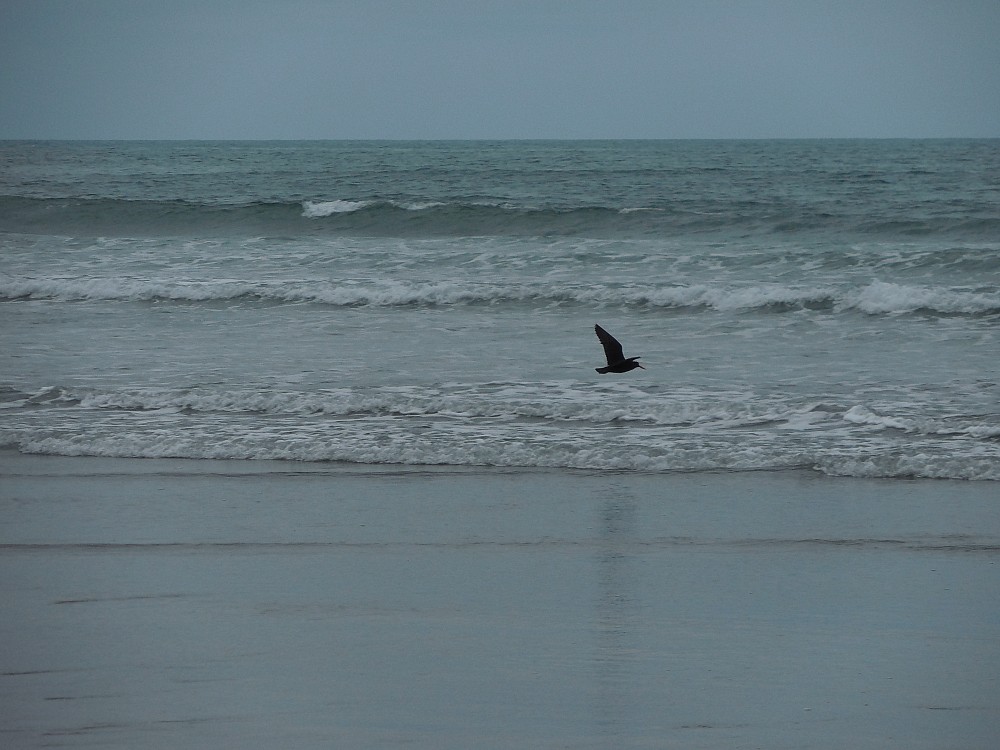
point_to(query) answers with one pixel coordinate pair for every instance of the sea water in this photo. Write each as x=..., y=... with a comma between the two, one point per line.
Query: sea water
x=830, y=306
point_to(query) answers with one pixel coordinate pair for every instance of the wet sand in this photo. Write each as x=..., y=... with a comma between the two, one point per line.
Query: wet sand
x=223, y=604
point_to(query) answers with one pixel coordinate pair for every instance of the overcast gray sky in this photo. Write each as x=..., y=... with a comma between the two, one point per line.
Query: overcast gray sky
x=499, y=68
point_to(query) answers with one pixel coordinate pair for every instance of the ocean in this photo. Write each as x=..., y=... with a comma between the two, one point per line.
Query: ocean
x=828, y=306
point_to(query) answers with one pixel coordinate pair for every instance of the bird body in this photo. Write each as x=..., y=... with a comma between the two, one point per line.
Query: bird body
x=617, y=361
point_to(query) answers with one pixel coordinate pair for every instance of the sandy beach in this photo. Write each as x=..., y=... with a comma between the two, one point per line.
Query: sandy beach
x=226, y=604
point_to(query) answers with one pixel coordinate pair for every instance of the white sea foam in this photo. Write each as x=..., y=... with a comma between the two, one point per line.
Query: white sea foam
x=321, y=209
x=913, y=465
x=865, y=416
x=524, y=448
x=731, y=298
x=882, y=297
x=875, y=299
x=862, y=415
x=558, y=403
x=553, y=424
x=420, y=205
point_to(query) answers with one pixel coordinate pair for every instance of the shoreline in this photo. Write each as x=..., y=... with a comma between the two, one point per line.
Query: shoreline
x=263, y=466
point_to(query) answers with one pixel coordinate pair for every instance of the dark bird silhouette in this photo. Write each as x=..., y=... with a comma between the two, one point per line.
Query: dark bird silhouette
x=613, y=351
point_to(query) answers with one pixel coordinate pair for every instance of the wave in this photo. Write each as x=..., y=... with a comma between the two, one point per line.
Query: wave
x=365, y=216
x=552, y=402
x=875, y=298
x=452, y=217
x=863, y=415
x=528, y=425
x=322, y=209
x=881, y=297
x=578, y=452
x=357, y=450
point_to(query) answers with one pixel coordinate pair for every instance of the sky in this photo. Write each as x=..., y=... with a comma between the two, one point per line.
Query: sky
x=498, y=69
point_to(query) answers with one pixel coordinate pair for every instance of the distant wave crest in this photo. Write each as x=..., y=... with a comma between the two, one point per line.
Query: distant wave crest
x=431, y=216
x=322, y=209
x=319, y=209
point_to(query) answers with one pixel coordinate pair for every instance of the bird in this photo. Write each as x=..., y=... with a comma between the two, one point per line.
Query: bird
x=613, y=351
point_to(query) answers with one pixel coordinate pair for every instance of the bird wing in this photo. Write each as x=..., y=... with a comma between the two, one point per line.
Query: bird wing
x=612, y=348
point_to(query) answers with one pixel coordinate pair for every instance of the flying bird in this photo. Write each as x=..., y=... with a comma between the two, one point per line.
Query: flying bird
x=613, y=351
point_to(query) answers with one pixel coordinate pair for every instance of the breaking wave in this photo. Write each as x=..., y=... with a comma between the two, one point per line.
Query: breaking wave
x=535, y=425
x=430, y=216
x=875, y=298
